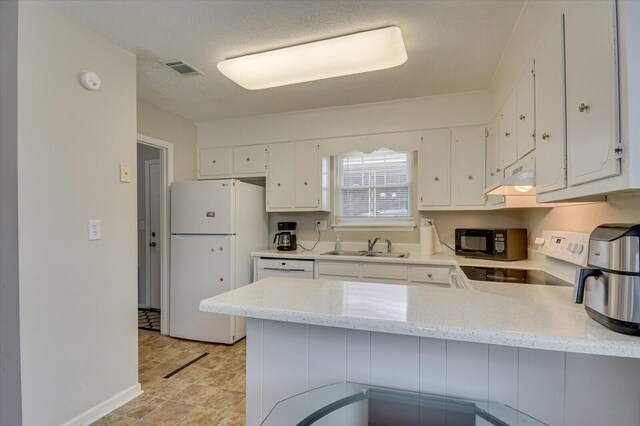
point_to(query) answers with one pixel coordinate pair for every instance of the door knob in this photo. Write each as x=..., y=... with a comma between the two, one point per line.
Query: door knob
x=153, y=244
x=546, y=136
x=583, y=107
x=522, y=117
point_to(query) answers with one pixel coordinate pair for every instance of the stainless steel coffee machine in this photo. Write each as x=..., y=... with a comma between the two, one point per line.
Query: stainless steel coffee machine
x=285, y=239
x=610, y=286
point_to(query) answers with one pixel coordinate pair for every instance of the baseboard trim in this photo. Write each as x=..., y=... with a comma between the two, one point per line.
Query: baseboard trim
x=105, y=407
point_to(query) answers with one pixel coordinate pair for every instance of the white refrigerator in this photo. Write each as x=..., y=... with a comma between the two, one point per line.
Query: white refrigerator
x=215, y=225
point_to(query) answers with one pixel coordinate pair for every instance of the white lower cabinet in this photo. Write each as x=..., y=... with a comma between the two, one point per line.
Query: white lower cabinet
x=385, y=273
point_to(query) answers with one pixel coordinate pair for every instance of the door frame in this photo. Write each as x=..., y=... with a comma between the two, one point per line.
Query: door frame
x=147, y=239
x=166, y=160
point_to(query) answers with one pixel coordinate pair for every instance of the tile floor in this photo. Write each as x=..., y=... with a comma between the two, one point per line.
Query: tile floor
x=209, y=392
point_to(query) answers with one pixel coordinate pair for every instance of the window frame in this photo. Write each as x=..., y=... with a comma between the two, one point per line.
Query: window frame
x=389, y=223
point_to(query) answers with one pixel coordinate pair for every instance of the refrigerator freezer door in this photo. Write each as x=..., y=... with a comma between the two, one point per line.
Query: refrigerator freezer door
x=203, y=207
x=201, y=267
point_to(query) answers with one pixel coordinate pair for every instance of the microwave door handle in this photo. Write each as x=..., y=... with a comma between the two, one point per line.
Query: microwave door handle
x=581, y=278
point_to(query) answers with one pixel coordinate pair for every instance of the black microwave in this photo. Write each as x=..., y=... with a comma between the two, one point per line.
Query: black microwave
x=496, y=244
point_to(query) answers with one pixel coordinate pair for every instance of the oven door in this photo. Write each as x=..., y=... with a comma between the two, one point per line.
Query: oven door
x=475, y=243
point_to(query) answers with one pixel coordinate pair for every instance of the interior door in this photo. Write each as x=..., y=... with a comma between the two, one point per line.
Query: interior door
x=550, y=112
x=153, y=190
x=434, y=167
x=592, y=91
x=201, y=267
x=203, y=207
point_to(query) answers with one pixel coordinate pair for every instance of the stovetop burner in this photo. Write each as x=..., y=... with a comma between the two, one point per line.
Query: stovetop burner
x=513, y=276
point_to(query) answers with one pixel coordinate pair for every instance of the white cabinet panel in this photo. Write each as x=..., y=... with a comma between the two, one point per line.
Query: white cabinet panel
x=468, y=166
x=307, y=175
x=392, y=272
x=550, y=112
x=468, y=370
x=358, y=356
x=421, y=274
x=494, y=172
x=338, y=269
x=250, y=160
x=327, y=360
x=508, y=131
x=395, y=359
x=280, y=176
x=433, y=353
x=503, y=375
x=541, y=385
x=592, y=91
x=434, y=168
x=213, y=162
x=525, y=101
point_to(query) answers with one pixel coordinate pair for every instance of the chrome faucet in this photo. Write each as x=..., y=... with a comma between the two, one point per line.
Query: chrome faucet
x=371, y=245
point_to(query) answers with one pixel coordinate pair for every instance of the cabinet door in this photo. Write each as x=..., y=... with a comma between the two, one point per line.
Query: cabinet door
x=592, y=91
x=509, y=138
x=307, y=175
x=468, y=166
x=493, y=155
x=214, y=162
x=434, y=168
x=525, y=101
x=550, y=112
x=280, y=176
x=249, y=159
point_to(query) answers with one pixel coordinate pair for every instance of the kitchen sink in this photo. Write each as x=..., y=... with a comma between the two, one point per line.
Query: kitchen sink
x=388, y=255
x=366, y=254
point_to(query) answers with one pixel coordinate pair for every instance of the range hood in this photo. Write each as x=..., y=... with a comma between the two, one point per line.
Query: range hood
x=518, y=185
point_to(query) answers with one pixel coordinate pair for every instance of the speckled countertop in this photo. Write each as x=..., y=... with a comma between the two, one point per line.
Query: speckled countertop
x=537, y=317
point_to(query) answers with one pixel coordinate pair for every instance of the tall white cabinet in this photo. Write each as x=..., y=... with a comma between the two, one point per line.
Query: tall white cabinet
x=434, y=168
x=468, y=166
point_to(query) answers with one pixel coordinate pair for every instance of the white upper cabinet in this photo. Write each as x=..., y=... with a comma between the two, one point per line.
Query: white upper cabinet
x=280, y=176
x=297, y=178
x=508, y=128
x=525, y=101
x=550, y=112
x=434, y=168
x=307, y=174
x=592, y=91
x=468, y=147
x=250, y=160
x=214, y=162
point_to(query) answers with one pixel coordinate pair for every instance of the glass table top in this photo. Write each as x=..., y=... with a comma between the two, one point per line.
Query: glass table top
x=352, y=404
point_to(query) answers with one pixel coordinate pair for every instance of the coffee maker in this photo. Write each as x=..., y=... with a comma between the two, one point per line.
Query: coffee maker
x=285, y=239
x=610, y=286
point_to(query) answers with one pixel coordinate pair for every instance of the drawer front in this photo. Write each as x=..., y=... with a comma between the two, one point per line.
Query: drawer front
x=286, y=264
x=339, y=269
x=337, y=278
x=250, y=159
x=420, y=274
x=394, y=272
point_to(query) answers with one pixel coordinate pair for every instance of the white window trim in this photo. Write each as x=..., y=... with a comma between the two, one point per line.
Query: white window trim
x=400, y=224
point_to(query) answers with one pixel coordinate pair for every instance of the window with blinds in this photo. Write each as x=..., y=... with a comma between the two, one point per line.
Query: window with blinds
x=374, y=188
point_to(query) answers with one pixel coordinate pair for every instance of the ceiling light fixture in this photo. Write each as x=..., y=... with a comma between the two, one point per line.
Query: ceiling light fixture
x=351, y=54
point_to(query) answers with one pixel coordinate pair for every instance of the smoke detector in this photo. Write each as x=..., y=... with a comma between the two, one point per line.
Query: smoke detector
x=183, y=68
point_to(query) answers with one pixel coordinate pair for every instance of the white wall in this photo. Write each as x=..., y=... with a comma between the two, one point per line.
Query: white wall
x=78, y=319
x=144, y=153
x=170, y=127
x=10, y=402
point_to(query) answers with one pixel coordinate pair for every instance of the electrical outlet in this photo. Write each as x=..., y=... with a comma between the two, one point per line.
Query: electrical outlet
x=95, y=230
x=321, y=224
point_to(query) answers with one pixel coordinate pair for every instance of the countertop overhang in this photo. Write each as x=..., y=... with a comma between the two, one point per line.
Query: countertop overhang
x=537, y=317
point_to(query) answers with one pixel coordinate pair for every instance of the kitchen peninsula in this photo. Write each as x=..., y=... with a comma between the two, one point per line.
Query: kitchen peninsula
x=548, y=360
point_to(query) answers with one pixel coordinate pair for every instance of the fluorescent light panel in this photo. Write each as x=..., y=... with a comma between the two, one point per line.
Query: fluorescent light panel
x=351, y=54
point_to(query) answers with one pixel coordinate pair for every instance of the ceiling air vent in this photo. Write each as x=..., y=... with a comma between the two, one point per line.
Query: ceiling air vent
x=183, y=68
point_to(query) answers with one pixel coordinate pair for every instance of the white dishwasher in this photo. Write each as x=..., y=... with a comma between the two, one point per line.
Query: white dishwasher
x=268, y=267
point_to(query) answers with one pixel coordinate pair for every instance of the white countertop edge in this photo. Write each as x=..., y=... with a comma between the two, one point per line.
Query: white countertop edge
x=504, y=338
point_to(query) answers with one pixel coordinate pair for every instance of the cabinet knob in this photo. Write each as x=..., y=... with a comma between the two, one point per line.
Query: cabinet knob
x=436, y=178
x=507, y=134
x=213, y=161
x=583, y=107
x=470, y=178
x=546, y=136
x=278, y=183
x=305, y=184
x=248, y=159
x=522, y=117
x=430, y=275
x=153, y=244
x=498, y=170
x=492, y=173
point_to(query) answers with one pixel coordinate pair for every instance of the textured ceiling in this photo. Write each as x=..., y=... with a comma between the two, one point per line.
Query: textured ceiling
x=453, y=46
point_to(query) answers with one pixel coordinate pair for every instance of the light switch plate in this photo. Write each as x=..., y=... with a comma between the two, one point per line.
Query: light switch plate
x=95, y=229
x=125, y=173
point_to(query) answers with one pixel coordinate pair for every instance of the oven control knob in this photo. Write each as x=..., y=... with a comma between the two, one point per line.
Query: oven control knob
x=579, y=248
